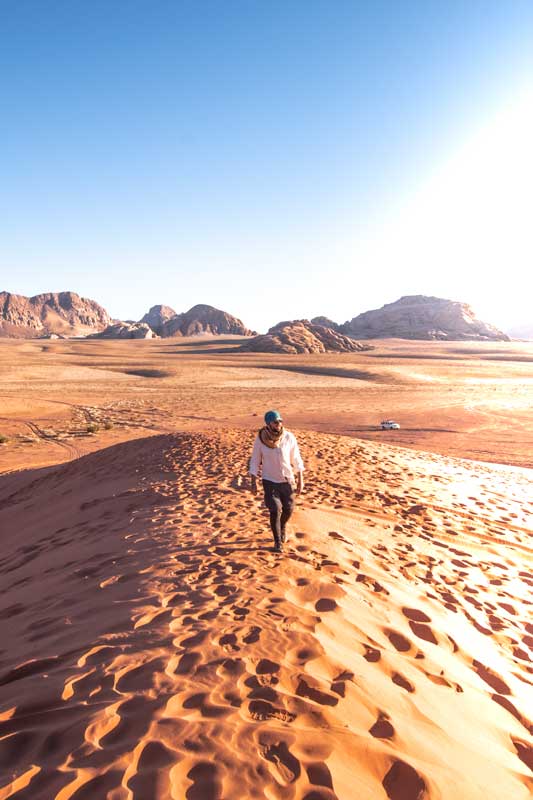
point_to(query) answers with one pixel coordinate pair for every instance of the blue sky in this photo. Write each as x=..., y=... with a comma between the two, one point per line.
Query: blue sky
x=274, y=159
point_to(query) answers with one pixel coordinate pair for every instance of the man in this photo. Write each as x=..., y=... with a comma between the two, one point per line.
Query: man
x=276, y=451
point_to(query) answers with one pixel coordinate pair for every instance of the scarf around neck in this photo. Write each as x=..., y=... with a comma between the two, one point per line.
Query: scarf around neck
x=269, y=438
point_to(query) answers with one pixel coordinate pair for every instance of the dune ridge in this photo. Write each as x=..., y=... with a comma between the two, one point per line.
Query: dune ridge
x=152, y=646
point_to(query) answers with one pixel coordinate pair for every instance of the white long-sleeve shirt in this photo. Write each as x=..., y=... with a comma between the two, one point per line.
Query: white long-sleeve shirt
x=277, y=462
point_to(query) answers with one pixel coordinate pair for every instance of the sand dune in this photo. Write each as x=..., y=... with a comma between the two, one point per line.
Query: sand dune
x=152, y=646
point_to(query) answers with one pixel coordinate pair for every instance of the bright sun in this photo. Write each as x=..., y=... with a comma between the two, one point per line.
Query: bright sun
x=466, y=232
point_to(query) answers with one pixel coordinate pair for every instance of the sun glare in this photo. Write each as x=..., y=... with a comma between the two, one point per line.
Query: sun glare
x=468, y=225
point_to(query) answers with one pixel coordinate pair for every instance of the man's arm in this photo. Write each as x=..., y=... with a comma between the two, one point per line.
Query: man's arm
x=298, y=465
x=255, y=463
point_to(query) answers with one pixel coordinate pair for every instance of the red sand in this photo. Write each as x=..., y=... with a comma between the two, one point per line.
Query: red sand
x=152, y=646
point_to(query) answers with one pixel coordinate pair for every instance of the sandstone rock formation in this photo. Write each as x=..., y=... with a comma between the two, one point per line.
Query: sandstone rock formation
x=64, y=313
x=157, y=316
x=125, y=330
x=52, y=336
x=202, y=319
x=421, y=317
x=302, y=336
x=326, y=323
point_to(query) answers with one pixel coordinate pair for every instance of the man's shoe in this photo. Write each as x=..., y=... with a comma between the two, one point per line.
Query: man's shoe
x=283, y=536
x=277, y=547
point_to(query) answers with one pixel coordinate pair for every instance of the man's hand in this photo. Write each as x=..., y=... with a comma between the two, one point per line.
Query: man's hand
x=253, y=484
x=299, y=483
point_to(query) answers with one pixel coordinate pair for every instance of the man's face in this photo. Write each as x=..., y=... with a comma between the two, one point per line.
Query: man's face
x=275, y=425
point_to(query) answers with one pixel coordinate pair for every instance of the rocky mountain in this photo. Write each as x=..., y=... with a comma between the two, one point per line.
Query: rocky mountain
x=421, y=317
x=326, y=323
x=202, y=319
x=157, y=316
x=302, y=336
x=64, y=313
x=125, y=330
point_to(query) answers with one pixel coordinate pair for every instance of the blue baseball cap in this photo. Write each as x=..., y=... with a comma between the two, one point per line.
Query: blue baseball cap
x=272, y=416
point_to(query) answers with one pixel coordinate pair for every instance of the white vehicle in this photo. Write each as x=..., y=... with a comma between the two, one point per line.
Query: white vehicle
x=389, y=425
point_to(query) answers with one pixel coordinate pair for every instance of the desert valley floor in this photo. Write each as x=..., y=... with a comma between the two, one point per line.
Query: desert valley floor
x=153, y=647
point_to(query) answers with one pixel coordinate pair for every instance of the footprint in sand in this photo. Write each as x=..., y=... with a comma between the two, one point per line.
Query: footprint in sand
x=338, y=684
x=306, y=690
x=415, y=614
x=252, y=634
x=262, y=710
x=382, y=728
x=524, y=751
x=335, y=535
x=398, y=641
x=372, y=654
x=228, y=642
x=399, y=680
x=423, y=632
x=266, y=667
x=262, y=689
x=319, y=775
x=325, y=604
x=491, y=678
x=402, y=782
x=282, y=765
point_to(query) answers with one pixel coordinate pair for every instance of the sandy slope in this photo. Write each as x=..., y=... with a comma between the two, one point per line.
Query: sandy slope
x=152, y=646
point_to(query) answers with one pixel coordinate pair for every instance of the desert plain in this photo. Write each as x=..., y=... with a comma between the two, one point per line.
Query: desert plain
x=152, y=646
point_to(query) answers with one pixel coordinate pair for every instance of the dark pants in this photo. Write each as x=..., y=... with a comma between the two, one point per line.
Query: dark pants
x=280, y=502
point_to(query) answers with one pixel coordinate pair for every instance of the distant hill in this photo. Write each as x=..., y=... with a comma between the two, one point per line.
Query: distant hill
x=67, y=314
x=125, y=330
x=411, y=317
x=203, y=319
x=326, y=323
x=302, y=336
x=157, y=316
x=421, y=317
x=62, y=313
